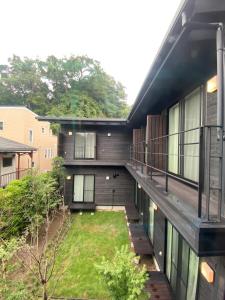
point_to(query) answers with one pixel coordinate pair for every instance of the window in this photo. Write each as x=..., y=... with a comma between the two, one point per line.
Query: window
x=1, y=125
x=43, y=130
x=83, y=188
x=7, y=162
x=85, y=145
x=151, y=220
x=181, y=266
x=173, y=139
x=30, y=135
x=183, y=152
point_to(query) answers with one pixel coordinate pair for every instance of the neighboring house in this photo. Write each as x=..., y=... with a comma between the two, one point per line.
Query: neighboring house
x=20, y=124
x=11, y=153
x=175, y=169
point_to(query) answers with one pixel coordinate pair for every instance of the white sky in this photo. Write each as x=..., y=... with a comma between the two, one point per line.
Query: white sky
x=124, y=35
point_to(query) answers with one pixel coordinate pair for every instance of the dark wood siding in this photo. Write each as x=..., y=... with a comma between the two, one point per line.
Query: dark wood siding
x=108, y=148
x=216, y=290
x=115, y=191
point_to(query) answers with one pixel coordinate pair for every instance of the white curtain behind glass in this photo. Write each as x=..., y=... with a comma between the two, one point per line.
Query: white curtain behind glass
x=90, y=145
x=192, y=120
x=79, y=145
x=174, y=139
x=89, y=188
x=78, y=188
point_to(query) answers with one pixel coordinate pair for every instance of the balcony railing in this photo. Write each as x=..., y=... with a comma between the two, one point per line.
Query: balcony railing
x=5, y=179
x=192, y=157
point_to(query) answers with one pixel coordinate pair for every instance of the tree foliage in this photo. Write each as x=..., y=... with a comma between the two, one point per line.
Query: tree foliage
x=76, y=86
x=123, y=278
x=26, y=201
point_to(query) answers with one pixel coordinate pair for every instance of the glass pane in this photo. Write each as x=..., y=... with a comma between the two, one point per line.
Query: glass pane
x=89, y=188
x=90, y=145
x=174, y=139
x=185, y=259
x=192, y=120
x=168, y=250
x=78, y=188
x=173, y=278
x=175, y=247
x=79, y=145
x=192, y=276
x=151, y=220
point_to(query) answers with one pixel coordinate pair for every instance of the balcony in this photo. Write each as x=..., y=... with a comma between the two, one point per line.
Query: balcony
x=5, y=179
x=182, y=173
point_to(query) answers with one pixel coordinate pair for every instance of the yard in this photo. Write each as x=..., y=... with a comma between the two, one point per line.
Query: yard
x=90, y=237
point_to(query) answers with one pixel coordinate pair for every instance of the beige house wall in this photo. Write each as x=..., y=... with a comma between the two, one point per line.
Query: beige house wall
x=17, y=122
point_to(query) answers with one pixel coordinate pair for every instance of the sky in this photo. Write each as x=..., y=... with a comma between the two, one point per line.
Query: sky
x=123, y=35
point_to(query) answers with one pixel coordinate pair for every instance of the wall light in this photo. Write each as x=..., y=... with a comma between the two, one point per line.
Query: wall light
x=108, y=134
x=70, y=133
x=155, y=207
x=139, y=186
x=212, y=85
x=107, y=178
x=68, y=177
x=207, y=272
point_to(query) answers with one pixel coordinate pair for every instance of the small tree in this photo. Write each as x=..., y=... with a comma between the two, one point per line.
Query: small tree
x=123, y=278
x=58, y=172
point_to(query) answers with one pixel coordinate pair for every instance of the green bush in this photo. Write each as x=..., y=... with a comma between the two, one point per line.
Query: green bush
x=123, y=278
x=25, y=199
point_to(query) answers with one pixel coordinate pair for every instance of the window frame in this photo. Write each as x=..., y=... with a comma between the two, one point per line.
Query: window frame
x=181, y=137
x=32, y=136
x=86, y=202
x=1, y=127
x=7, y=157
x=85, y=142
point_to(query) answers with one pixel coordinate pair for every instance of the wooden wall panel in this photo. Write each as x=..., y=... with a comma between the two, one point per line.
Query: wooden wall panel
x=123, y=185
x=108, y=148
x=156, y=127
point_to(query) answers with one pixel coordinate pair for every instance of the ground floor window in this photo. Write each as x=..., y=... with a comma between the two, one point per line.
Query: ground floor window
x=83, y=188
x=181, y=266
x=7, y=162
x=151, y=220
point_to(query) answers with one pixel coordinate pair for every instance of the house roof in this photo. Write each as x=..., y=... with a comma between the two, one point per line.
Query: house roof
x=84, y=121
x=7, y=145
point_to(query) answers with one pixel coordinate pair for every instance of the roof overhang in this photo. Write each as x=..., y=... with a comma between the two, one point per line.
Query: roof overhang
x=84, y=121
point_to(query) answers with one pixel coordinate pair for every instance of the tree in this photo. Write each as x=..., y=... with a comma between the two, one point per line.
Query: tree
x=76, y=86
x=123, y=278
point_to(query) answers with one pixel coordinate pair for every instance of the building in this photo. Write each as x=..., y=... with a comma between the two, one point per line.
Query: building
x=20, y=124
x=168, y=157
x=10, y=156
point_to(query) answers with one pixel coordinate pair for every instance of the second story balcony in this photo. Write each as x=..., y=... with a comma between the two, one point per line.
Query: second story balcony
x=186, y=167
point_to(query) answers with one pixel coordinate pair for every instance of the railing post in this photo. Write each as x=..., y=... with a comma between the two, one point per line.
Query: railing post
x=207, y=171
x=200, y=172
x=150, y=147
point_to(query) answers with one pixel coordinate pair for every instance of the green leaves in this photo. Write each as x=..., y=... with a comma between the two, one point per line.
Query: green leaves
x=124, y=279
x=76, y=86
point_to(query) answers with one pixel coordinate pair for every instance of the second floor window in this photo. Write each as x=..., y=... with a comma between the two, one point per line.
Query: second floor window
x=85, y=145
x=30, y=136
x=1, y=125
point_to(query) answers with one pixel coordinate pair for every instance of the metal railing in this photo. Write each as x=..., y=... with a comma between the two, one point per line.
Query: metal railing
x=5, y=179
x=193, y=157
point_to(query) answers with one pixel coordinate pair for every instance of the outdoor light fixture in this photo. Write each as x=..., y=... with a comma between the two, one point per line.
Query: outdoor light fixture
x=212, y=85
x=109, y=134
x=70, y=133
x=107, y=178
x=139, y=186
x=160, y=253
x=207, y=272
x=155, y=207
x=68, y=177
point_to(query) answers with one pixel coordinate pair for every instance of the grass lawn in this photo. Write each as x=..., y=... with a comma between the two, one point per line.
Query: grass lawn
x=89, y=238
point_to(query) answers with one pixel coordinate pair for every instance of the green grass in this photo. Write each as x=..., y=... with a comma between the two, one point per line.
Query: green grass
x=89, y=238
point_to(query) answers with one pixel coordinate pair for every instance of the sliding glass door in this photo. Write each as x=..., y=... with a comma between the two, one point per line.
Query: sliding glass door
x=83, y=188
x=151, y=220
x=173, y=155
x=85, y=145
x=181, y=266
x=191, y=136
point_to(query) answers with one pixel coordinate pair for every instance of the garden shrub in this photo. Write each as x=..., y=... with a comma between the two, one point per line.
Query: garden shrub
x=122, y=277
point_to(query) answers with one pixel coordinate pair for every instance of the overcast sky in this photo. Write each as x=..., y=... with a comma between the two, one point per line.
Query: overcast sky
x=124, y=35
